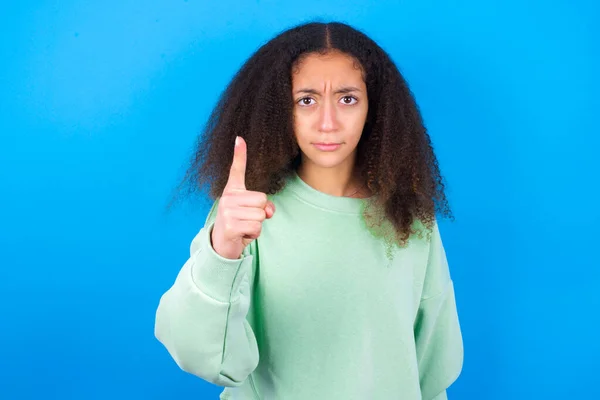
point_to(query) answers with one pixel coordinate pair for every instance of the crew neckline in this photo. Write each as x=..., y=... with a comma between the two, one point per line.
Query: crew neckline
x=323, y=200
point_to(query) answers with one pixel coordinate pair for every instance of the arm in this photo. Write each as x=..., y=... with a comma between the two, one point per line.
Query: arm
x=441, y=396
x=437, y=329
x=201, y=319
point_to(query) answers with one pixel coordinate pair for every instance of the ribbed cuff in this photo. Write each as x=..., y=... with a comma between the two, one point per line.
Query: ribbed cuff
x=216, y=276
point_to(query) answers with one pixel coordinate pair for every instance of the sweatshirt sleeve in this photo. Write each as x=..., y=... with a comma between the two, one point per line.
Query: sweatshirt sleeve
x=437, y=329
x=201, y=318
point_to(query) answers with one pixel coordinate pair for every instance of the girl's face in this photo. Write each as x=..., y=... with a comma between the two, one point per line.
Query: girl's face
x=330, y=109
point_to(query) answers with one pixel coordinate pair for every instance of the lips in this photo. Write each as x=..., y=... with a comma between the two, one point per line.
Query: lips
x=327, y=146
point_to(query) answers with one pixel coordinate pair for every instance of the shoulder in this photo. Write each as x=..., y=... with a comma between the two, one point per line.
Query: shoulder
x=437, y=273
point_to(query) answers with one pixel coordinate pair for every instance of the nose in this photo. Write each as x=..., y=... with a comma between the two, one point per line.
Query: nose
x=328, y=118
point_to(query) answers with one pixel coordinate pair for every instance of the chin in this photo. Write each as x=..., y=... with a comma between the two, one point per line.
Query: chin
x=326, y=161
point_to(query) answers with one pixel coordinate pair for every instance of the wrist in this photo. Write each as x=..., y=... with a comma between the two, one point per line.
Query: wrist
x=228, y=252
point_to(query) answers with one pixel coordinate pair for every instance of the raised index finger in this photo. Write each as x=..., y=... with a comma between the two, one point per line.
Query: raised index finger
x=237, y=173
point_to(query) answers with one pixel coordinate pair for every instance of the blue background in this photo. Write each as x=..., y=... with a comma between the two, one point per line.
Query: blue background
x=100, y=104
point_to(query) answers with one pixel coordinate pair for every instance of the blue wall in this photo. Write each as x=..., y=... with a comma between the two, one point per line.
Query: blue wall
x=100, y=103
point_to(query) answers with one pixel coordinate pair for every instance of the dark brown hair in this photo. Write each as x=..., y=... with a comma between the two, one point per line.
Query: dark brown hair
x=395, y=157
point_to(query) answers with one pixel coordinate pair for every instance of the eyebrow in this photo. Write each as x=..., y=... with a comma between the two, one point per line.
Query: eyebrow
x=345, y=89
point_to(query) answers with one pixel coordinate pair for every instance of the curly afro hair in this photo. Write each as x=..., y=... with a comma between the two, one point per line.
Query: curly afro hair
x=395, y=158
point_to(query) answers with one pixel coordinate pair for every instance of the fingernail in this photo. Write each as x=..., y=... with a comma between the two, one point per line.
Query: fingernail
x=237, y=140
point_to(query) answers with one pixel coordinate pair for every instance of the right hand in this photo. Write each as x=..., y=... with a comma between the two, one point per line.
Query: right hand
x=241, y=212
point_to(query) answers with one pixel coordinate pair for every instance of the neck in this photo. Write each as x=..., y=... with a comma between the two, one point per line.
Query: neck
x=339, y=181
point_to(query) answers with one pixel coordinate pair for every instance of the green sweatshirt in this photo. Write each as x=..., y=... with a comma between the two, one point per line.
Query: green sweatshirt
x=314, y=309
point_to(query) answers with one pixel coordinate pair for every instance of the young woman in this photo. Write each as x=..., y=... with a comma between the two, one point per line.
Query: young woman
x=319, y=272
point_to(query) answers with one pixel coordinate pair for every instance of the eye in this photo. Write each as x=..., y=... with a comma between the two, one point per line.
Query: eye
x=349, y=100
x=305, y=101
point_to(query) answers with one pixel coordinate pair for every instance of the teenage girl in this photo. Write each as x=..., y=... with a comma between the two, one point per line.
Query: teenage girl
x=319, y=272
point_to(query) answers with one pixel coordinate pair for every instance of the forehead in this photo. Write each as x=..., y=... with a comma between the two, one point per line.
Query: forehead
x=335, y=67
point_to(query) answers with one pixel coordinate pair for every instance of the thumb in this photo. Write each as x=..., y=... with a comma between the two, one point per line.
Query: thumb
x=270, y=209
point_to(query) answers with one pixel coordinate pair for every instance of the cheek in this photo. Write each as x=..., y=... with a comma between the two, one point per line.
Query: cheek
x=356, y=124
x=301, y=126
